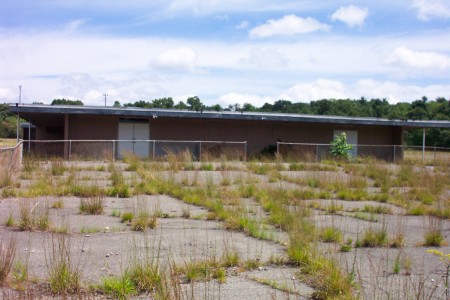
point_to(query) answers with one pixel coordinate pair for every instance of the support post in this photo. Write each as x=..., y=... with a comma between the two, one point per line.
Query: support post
x=200, y=152
x=423, y=144
x=114, y=151
x=153, y=152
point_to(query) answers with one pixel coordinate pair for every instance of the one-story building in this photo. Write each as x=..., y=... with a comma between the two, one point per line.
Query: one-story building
x=259, y=130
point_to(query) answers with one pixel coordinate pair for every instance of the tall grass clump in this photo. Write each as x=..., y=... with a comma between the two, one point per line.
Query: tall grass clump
x=5, y=180
x=92, y=206
x=63, y=275
x=121, y=287
x=34, y=217
x=433, y=236
x=7, y=256
x=57, y=167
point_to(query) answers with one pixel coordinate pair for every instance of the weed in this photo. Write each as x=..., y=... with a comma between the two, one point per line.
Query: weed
x=58, y=167
x=19, y=275
x=186, y=212
x=347, y=246
x=380, y=209
x=334, y=207
x=63, y=276
x=331, y=235
x=146, y=277
x=397, y=265
x=143, y=221
x=375, y=238
x=127, y=217
x=92, y=206
x=207, y=167
x=116, y=213
x=7, y=256
x=58, y=204
x=5, y=180
x=118, y=287
x=33, y=218
x=121, y=191
x=433, y=235
x=10, y=221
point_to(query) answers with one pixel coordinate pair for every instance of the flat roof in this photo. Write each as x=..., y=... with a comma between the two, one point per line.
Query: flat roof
x=33, y=109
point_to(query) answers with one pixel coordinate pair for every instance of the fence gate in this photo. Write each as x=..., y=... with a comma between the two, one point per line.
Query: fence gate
x=131, y=131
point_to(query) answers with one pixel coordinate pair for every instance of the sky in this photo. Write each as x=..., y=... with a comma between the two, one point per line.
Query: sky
x=224, y=52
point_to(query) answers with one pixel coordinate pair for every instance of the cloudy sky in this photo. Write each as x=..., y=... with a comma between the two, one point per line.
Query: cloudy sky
x=224, y=52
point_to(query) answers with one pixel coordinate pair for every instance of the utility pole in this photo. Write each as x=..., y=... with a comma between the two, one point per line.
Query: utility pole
x=18, y=117
x=105, y=98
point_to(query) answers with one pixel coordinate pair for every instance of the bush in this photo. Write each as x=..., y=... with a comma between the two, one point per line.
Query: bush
x=339, y=147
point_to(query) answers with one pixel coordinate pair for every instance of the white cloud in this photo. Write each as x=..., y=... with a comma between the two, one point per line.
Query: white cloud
x=269, y=58
x=369, y=88
x=242, y=25
x=183, y=59
x=319, y=89
x=430, y=9
x=288, y=25
x=408, y=58
x=74, y=25
x=351, y=15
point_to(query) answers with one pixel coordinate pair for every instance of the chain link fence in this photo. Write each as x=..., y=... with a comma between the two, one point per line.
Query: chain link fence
x=146, y=149
x=394, y=153
x=11, y=158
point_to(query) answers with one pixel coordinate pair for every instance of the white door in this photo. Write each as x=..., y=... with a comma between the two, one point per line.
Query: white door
x=131, y=135
x=352, y=139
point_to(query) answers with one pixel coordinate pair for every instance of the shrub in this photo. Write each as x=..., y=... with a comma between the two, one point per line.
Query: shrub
x=339, y=147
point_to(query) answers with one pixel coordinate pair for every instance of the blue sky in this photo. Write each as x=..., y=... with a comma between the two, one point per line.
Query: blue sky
x=224, y=52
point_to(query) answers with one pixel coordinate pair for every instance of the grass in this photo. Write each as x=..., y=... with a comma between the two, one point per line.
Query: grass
x=118, y=287
x=7, y=256
x=92, y=206
x=33, y=217
x=433, y=236
x=143, y=221
x=63, y=275
x=284, y=210
x=330, y=235
x=375, y=237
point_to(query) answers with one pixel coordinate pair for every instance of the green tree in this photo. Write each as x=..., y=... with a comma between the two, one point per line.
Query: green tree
x=66, y=102
x=194, y=103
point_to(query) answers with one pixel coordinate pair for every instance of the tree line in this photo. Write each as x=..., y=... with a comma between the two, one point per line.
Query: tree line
x=420, y=109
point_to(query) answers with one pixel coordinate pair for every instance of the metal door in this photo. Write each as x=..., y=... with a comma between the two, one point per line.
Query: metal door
x=132, y=134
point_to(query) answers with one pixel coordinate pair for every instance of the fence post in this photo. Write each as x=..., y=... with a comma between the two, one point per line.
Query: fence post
x=70, y=149
x=395, y=149
x=200, y=152
x=153, y=154
x=245, y=149
x=317, y=152
x=114, y=150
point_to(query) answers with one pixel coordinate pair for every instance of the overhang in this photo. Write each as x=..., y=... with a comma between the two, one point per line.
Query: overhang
x=41, y=113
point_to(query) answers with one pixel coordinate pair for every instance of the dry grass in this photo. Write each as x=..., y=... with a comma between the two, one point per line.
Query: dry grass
x=7, y=256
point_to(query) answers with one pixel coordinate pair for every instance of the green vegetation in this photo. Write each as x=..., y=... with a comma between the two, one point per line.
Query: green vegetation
x=339, y=147
x=92, y=206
